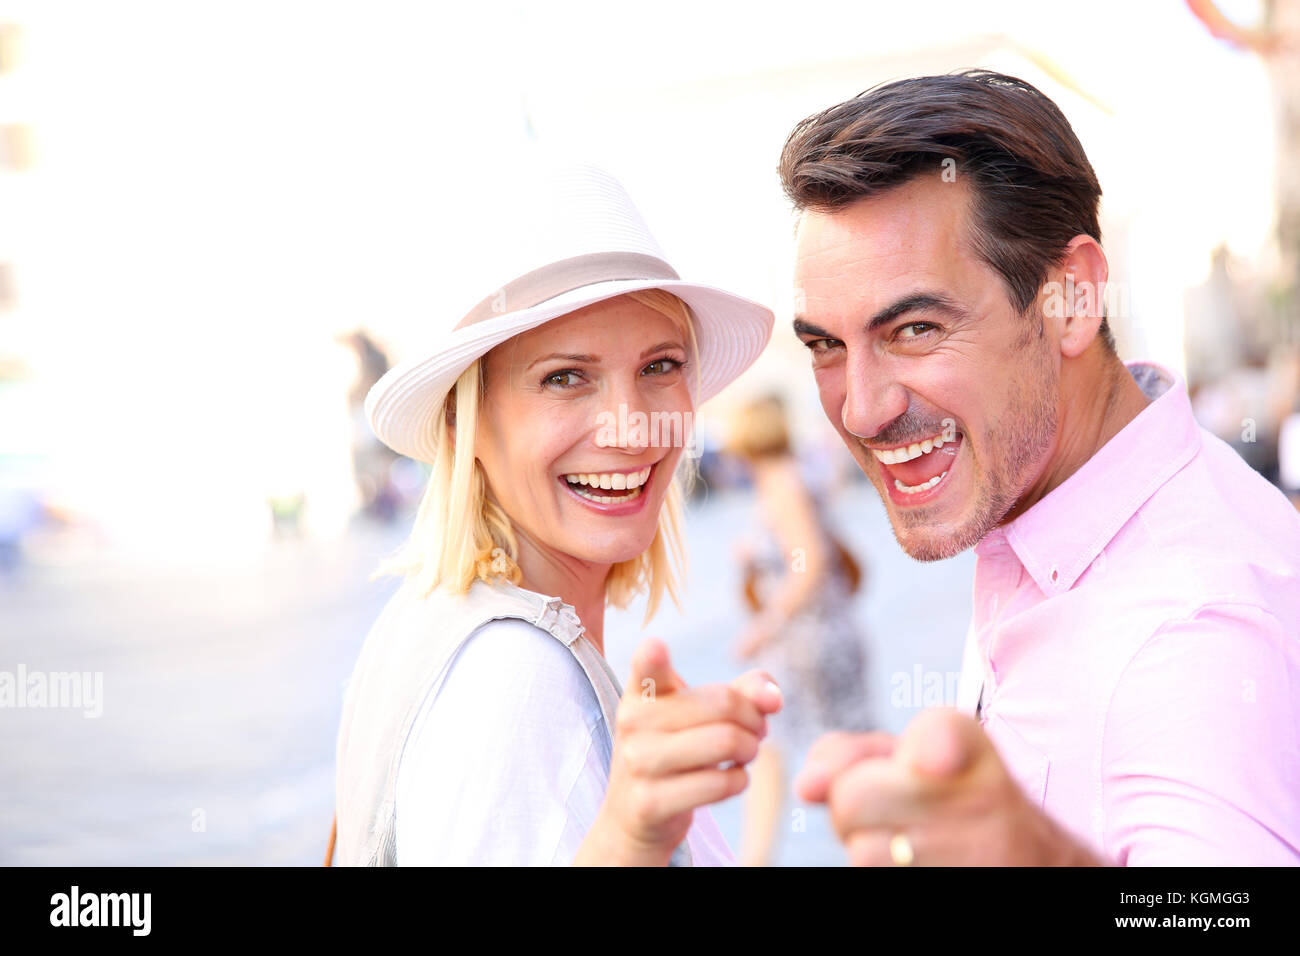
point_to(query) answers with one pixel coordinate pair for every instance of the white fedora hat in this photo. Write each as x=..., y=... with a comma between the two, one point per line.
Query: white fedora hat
x=566, y=236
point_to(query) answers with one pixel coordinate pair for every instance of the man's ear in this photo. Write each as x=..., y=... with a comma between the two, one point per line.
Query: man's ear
x=1082, y=273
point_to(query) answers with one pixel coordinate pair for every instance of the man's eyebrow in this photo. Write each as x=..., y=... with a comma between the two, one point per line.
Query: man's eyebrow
x=917, y=301
x=804, y=327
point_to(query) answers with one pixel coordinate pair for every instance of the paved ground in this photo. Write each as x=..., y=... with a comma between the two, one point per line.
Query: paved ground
x=222, y=687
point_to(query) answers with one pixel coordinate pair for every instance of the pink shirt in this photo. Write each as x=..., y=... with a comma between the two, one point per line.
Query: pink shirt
x=1136, y=636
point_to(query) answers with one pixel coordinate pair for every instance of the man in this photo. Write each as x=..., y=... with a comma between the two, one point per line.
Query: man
x=1127, y=683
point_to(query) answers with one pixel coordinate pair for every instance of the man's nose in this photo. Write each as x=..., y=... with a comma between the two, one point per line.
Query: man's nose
x=872, y=398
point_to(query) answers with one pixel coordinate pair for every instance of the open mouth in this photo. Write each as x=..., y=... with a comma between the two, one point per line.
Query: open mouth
x=916, y=471
x=609, y=487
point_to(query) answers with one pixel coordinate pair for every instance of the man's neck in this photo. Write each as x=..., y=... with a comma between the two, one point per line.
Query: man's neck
x=1098, y=399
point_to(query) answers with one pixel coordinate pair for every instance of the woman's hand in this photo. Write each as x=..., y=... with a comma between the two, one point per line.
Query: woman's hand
x=761, y=631
x=675, y=749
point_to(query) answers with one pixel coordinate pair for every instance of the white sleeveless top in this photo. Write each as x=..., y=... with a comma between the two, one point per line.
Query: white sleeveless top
x=512, y=689
x=484, y=720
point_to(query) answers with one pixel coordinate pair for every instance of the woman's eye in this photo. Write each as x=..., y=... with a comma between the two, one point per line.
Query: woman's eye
x=564, y=379
x=662, y=366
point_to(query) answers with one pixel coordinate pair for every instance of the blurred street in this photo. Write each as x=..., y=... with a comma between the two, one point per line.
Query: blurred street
x=222, y=686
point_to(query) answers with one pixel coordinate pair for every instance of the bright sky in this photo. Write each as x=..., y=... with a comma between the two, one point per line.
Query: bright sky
x=221, y=187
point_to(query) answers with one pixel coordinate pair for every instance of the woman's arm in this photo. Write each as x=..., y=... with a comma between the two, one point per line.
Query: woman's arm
x=788, y=507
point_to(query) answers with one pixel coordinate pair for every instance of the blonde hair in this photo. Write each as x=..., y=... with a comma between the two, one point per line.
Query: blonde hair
x=461, y=535
x=759, y=429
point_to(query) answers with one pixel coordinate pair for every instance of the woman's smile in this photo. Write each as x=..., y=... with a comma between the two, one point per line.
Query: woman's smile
x=610, y=492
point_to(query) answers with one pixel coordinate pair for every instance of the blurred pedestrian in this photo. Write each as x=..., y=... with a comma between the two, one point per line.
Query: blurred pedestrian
x=372, y=460
x=799, y=581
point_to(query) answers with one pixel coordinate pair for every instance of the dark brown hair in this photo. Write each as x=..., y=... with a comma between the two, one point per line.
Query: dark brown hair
x=1034, y=188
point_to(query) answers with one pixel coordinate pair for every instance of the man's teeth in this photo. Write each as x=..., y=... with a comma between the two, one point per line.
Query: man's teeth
x=923, y=486
x=896, y=456
x=612, y=480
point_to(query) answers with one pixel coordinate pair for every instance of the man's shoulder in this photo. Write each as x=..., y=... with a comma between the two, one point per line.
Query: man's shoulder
x=1217, y=531
x=1222, y=490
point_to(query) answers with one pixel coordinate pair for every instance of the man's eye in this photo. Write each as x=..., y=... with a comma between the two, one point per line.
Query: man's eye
x=910, y=331
x=823, y=345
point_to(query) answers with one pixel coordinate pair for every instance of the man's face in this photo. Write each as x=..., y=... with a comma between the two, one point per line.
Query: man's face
x=946, y=396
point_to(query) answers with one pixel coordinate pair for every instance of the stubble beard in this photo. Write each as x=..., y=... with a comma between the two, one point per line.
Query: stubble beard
x=1016, y=446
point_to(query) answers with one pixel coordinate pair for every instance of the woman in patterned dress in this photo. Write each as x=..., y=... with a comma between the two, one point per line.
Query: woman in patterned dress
x=800, y=582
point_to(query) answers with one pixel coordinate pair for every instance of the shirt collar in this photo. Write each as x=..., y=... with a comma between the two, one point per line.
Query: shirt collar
x=1062, y=534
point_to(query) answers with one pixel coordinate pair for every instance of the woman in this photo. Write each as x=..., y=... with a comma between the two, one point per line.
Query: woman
x=478, y=726
x=799, y=581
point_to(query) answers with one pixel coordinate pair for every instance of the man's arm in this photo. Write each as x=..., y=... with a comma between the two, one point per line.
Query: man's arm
x=942, y=787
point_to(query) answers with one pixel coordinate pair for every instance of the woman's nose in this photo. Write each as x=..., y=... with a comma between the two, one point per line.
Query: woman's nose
x=624, y=426
x=635, y=421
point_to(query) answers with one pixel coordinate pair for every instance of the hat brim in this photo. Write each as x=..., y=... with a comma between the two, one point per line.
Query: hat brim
x=731, y=332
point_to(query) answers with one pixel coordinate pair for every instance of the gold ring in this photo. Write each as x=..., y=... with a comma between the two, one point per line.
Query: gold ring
x=900, y=850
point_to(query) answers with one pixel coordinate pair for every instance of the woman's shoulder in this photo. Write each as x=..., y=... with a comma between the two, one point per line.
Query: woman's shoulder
x=517, y=644
x=503, y=657
x=482, y=600
x=511, y=665
x=414, y=611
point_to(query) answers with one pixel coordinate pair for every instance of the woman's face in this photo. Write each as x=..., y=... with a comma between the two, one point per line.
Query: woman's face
x=572, y=481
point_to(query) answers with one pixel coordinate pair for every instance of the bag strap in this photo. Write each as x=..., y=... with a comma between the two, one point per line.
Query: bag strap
x=334, y=832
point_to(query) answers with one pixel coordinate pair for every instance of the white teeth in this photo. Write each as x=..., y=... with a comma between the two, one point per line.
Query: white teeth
x=923, y=486
x=610, y=499
x=896, y=456
x=613, y=481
